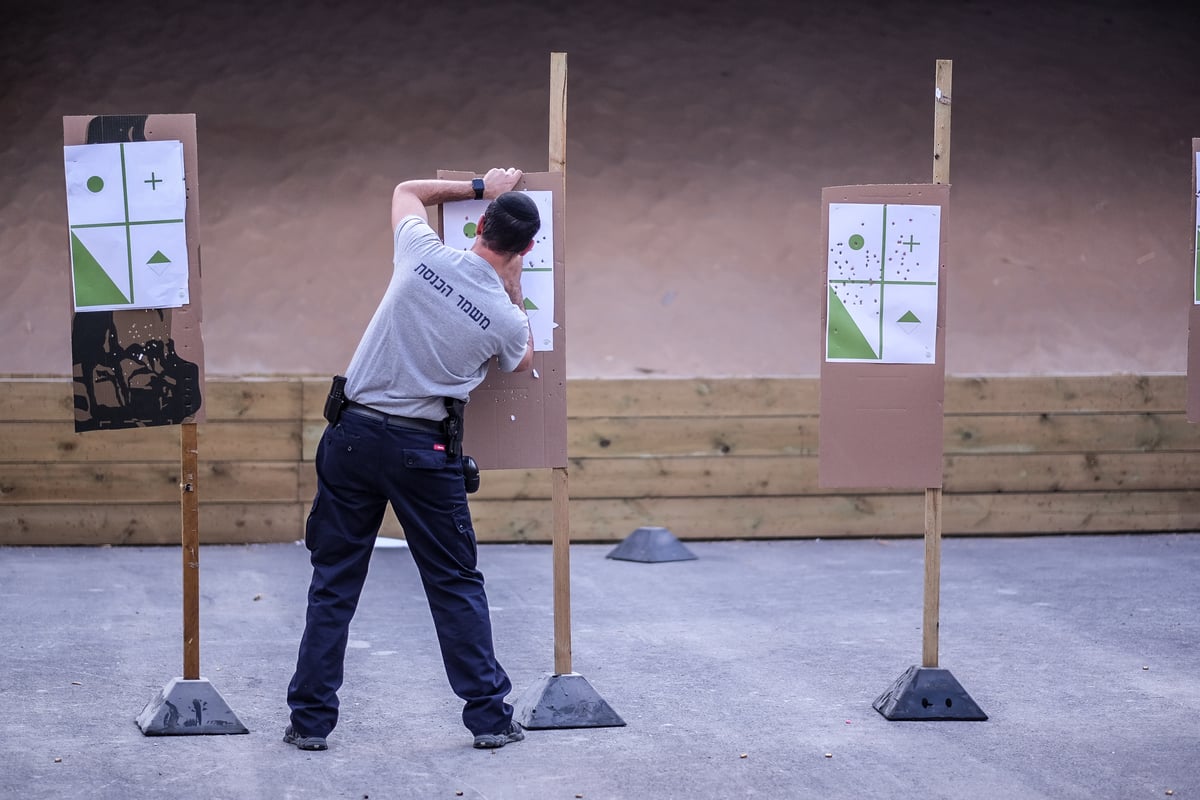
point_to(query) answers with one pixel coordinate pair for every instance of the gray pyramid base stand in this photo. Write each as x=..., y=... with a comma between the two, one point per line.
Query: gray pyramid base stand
x=651, y=545
x=564, y=701
x=188, y=708
x=928, y=693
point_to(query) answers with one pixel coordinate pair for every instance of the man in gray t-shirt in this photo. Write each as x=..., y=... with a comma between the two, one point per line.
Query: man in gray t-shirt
x=445, y=316
x=446, y=313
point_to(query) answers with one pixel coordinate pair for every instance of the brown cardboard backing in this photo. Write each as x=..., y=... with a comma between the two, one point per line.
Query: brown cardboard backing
x=143, y=367
x=881, y=424
x=1193, y=358
x=516, y=420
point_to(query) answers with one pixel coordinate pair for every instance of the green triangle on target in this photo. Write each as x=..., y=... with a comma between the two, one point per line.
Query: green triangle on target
x=1198, y=263
x=93, y=287
x=908, y=317
x=530, y=305
x=843, y=337
x=158, y=258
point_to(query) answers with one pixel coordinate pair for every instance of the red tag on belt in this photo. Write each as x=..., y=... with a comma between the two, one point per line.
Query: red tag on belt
x=439, y=447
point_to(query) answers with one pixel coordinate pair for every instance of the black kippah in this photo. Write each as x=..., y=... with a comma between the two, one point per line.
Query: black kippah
x=519, y=206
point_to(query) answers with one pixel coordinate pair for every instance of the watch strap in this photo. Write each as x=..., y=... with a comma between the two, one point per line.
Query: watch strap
x=477, y=185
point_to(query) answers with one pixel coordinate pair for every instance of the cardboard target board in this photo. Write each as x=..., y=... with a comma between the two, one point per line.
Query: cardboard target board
x=133, y=220
x=518, y=420
x=1193, y=358
x=883, y=336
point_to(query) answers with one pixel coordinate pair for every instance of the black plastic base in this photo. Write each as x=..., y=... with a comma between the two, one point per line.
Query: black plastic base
x=928, y=693
x=188, y=708
x=651, y=545
x=564, y=701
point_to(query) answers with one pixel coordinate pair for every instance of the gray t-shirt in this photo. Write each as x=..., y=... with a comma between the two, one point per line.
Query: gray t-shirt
x=444, y=316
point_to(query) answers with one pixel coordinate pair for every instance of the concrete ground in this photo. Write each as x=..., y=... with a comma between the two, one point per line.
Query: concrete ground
x=749, y=672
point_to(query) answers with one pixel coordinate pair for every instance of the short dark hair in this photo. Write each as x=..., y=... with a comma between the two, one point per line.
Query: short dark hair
x=510, y=223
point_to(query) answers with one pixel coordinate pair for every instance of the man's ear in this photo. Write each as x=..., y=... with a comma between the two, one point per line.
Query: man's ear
x=479, y=226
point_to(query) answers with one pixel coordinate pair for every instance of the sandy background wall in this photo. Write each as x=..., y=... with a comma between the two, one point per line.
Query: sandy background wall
x=699, y=137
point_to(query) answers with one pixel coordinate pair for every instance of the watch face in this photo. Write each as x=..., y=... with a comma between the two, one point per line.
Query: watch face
x=477, y=185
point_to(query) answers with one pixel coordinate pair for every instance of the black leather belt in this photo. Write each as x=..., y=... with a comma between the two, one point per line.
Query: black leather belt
x=412, y=423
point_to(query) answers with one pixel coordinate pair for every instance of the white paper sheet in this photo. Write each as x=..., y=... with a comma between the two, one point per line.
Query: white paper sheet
x=882, y=272
x=125, y=210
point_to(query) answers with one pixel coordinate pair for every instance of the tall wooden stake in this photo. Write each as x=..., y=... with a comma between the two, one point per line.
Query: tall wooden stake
x=190, y=506
x=558, y=112
x=563, y=699
x=562, y=573
x=933, y=497
x=561, y=535
x=933, y=577
x=929, y=692
x=941, y=122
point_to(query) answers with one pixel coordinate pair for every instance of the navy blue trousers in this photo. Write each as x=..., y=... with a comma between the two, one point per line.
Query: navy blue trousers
x=363, y=465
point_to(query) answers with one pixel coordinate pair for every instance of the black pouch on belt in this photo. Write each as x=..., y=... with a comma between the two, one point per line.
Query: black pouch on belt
x=470, y=475
x=335, y=403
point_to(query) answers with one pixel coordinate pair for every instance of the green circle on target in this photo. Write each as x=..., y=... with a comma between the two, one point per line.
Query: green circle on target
x=95, y=184
x=469, y=230
x=856, y=242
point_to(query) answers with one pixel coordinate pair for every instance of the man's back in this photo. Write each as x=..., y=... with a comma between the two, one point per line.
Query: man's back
x=444, y=316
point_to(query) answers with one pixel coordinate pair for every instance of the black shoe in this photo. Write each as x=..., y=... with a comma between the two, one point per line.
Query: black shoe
x=490, y=741
x=304, y=742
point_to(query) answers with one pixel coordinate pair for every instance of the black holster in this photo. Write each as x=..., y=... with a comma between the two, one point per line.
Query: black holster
x=335, y=403
x=452, y=427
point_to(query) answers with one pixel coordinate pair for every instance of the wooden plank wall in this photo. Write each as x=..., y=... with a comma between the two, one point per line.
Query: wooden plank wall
x=709, y=459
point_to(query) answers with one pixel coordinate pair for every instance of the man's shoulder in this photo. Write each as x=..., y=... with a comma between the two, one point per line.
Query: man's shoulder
x=413, y=235
x=413, y=225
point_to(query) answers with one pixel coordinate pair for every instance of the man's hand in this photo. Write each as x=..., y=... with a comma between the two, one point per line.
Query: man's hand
x=498, y=181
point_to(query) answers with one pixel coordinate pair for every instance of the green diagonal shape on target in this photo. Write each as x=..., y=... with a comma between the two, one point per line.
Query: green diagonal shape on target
x=844, y=338
x=93, y=287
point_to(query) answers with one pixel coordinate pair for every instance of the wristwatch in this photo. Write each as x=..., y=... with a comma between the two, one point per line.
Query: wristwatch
x=477, y=185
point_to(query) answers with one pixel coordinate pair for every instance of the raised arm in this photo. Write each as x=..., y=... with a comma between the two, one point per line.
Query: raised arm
x=412, y=197
x=527, y=359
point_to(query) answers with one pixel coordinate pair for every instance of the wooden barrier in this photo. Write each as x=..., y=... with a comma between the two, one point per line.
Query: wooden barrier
x=709, y=459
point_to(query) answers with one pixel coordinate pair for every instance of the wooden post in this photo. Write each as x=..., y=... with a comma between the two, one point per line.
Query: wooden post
x=561, y=535
x=929, y=692
x=933, y=497
x=189, y=705
x=561, y=544
x=558, y=112
x=941, y=122
x=190, y=506
x=933, y=577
